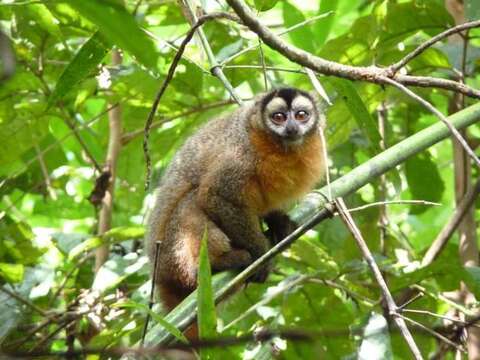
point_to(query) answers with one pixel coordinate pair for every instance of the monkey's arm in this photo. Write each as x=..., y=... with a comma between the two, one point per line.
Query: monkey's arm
x=279, y=226
x=220, y=196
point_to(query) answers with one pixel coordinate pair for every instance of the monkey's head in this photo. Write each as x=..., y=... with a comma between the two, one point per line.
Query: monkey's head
x=289, y=114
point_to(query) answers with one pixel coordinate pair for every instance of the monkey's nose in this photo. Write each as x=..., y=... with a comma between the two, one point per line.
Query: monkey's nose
x=291, y=131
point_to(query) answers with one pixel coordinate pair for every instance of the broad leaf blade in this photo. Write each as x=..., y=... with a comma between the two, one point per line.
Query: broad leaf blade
x=359, y=111
x=83, y=64
x=423, y=180
x=120, y=27
x=302, y=36
x=207, y=320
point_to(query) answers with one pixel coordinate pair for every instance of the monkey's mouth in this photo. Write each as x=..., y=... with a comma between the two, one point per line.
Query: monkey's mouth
x=292, y=140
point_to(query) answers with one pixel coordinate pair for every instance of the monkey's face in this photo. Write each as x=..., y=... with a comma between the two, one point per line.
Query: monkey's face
x=289, y=114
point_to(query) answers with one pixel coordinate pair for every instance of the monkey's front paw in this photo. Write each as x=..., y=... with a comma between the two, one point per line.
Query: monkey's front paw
x=262, y=274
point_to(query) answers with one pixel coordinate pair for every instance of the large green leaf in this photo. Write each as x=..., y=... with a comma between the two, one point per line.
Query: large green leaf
x=264, y=5
x=11, y=273
x=207, y=319
x=303, y=36
x=44, y=19
x=83, y=64
x=359, y=111
x=322, y=27
x=424, y=181
x=120, y=27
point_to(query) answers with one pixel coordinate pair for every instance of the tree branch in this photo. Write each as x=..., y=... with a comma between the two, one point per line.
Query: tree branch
x=372, y=74
x=438, y=114
x=421, y=48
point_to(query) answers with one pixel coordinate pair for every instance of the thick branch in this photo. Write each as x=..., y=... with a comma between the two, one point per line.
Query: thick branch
x=371, y=73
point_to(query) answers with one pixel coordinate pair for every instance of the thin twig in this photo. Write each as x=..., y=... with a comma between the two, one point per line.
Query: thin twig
x=126, y=138
x=421, y=48
x=46, y=175
x=268, y=68
x=410, y=301
x=345, y=289
x=84, y=146
x=24, y=301
x=437, y=113
x=166, y=81
x=433, y=332
x=215, y=67
x=394, y=202
x=367, y=255
x=152, y=292
x=432, y=314
x=264, y=68
x=449, y=228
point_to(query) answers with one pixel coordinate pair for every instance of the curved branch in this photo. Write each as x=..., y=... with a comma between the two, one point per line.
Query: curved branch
x=372, y=74
x=422, y=47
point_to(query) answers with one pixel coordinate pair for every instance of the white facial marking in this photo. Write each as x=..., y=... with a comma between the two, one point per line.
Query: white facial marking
x=275, y=105
x=303, y=103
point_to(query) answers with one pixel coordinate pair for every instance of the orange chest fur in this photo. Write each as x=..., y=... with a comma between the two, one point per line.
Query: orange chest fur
x=283, y=175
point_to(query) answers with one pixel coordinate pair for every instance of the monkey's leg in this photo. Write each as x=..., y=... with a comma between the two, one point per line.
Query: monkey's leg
x=279, y=226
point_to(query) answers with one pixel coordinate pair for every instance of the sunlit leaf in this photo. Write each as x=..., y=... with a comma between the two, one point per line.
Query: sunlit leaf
x=120, y=27
x=83, y=64
x=207, y=319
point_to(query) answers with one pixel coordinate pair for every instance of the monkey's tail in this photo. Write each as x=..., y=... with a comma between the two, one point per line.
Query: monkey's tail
x=172, y=295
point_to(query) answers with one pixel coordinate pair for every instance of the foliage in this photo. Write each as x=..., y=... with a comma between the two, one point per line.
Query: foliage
x=61, y=91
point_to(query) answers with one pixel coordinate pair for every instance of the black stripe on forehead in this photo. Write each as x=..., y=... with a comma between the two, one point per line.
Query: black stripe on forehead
x=287, y=94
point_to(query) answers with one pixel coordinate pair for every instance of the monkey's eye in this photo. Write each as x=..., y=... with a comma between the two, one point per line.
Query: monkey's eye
x=279, y=118
x=301, y=115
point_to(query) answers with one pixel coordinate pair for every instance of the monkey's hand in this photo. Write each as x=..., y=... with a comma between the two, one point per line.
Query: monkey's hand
x=262, y=274
x=279, y=226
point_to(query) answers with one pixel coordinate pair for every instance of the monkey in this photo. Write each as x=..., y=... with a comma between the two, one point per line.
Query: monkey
x=237, y=169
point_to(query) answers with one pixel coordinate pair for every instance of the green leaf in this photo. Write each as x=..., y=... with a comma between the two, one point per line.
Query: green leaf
x=172, y=329
x=44, y=19
x=119, y=27
x=16, y=244
x=207, y=321
x=302, y=37
x=264, y=5
x=321, y=27
x=359, y=110
x=423, y=180
x=83, y=64
x=11, y=273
